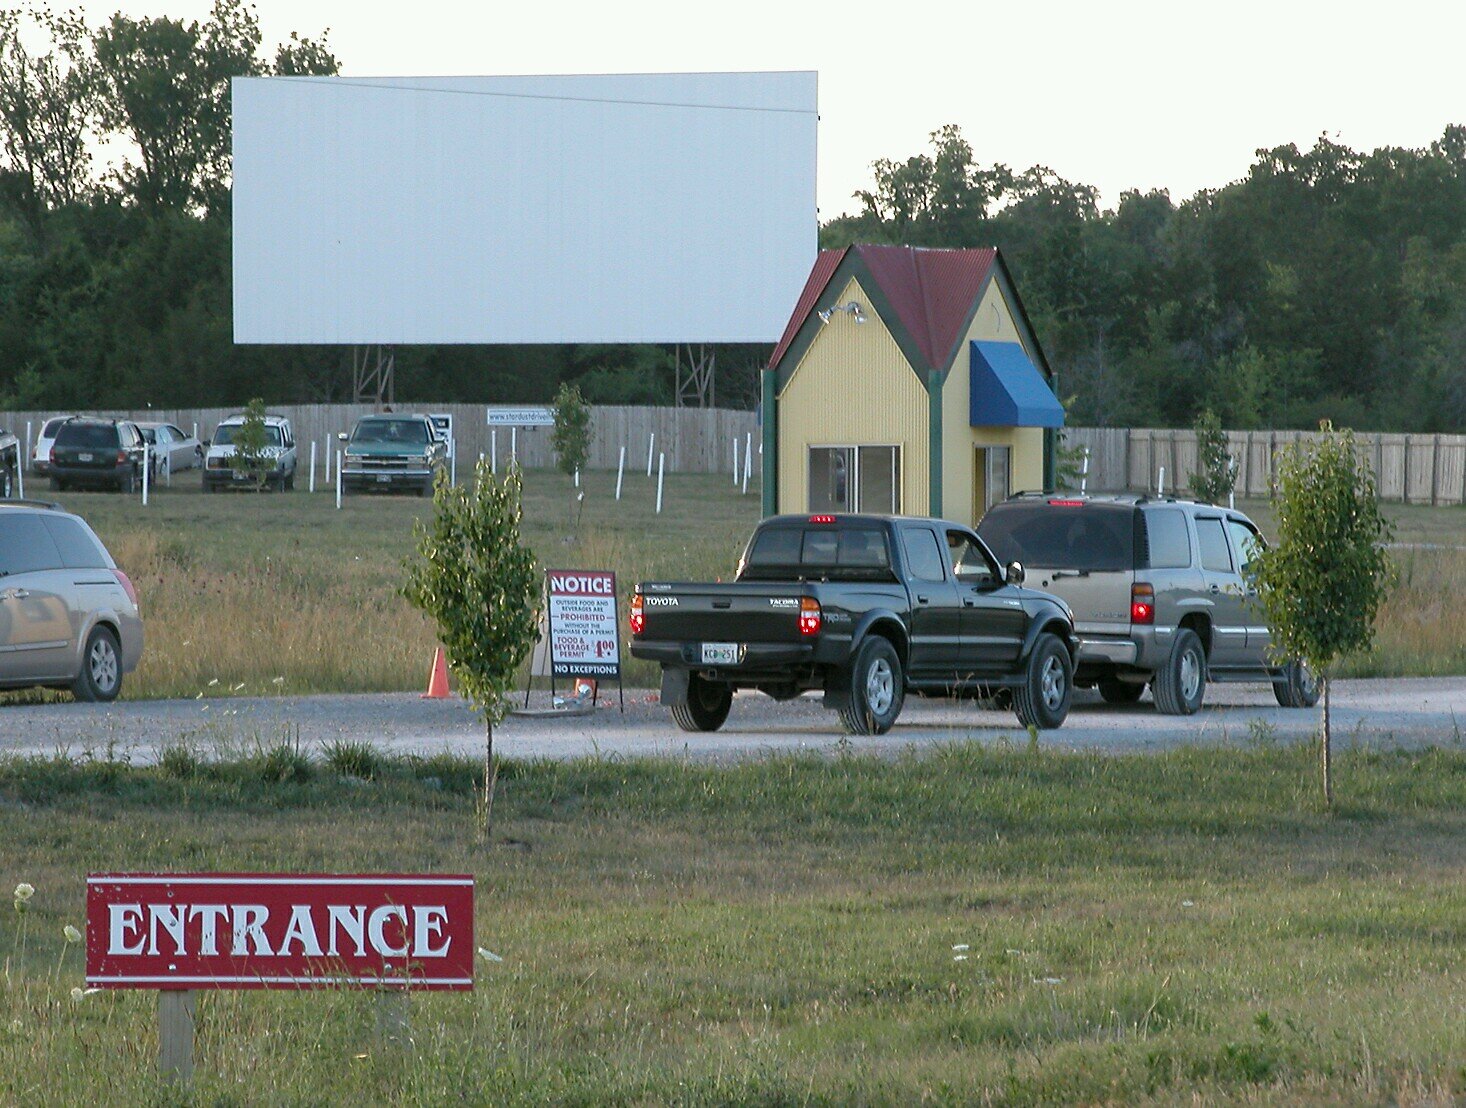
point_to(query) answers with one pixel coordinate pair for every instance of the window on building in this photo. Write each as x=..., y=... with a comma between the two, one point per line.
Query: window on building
x=855, y=479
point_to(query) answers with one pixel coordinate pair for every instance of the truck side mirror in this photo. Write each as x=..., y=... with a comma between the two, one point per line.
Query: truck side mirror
x=1015, y=574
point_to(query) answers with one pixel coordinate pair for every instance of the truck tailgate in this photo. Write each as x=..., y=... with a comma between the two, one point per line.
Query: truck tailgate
x=756, y=611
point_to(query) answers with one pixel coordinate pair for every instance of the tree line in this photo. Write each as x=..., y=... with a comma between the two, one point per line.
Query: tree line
x=1326, y=283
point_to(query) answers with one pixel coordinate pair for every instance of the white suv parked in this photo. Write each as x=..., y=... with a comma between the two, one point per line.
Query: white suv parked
x=218, y=463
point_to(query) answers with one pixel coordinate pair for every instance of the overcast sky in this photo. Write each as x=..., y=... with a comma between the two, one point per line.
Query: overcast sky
x=1117, y=95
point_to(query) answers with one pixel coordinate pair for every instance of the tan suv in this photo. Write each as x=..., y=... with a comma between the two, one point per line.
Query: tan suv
x=1159, y=592
x=69, y=617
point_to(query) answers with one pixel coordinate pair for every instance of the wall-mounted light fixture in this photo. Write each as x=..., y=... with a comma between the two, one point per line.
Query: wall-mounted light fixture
x=852, y=307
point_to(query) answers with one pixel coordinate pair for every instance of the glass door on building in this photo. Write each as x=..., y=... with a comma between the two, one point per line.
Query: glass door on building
x=855, y=479
x=992, y=478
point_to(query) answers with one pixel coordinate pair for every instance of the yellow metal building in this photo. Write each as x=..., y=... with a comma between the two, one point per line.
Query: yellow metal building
x=908, y=380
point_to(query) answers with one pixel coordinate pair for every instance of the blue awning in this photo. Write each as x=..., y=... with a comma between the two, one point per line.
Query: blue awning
x=1007, y=390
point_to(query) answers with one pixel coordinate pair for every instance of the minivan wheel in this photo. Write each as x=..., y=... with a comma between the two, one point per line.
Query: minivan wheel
x=707, y=707
x=101, y=668
x=1042, y=700
x=1300, y=689
x=1114, y=691
x=877, y=689
x=1181, y=682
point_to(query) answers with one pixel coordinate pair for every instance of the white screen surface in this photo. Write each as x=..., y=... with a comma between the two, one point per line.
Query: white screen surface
x=598, y=209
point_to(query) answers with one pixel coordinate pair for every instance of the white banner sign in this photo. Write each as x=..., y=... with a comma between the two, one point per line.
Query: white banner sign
x=584, y=635
x=521, y=417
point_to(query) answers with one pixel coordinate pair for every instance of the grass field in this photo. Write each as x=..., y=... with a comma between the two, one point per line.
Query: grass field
x=284, y=594
x=1000, y=926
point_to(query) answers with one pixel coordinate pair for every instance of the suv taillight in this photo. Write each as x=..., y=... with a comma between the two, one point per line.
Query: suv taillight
x=127, y=586
x=121, y=456
x=810, y=616
x=1142, y=604
x=637, y=619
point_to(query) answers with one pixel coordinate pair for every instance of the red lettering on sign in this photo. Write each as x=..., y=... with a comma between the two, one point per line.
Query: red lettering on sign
x=280, y=931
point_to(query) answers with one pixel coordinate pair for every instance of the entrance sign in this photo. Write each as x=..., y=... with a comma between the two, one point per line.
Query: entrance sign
x=521, y=417
x=279, y=931
x=584, y=636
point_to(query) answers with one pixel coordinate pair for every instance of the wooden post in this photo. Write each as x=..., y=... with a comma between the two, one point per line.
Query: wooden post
x=176, y=1010
x=1435, y=472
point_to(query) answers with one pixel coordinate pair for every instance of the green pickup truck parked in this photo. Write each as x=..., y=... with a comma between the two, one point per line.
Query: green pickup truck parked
x=391, y=452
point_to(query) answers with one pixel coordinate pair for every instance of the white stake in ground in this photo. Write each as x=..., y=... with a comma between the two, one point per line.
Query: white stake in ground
x=661, y=464
x=577, y=478
x=620, y=470
x=313, y=465
x=328, y=460
x=514, y=446
x=195, y=429
x=747, y=458
x=20, y=472
x=1084, y=473
x=1160, y=483
x=651, y=442
x=493, y=451
x=735, y=461
x=147, y=465
x=453, y=461
x=338, y=479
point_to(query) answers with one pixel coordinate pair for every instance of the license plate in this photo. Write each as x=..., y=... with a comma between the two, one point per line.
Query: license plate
x=243, y=477
x=384, y=478
x=83, y=457
x=720, y=653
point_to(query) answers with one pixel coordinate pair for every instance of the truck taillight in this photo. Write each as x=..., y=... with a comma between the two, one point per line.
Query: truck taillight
x=637, y=619
x=1142, y=604
x=810, y=617
x=822, y=519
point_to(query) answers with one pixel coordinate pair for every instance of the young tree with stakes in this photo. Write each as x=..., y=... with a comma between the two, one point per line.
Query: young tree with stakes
x=1216, y=473
x=1323, y=582
x=571, y=437
x=477, y=581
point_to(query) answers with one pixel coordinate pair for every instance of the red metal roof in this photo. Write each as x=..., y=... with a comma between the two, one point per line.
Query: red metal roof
x=824, y=268
x=931, y=291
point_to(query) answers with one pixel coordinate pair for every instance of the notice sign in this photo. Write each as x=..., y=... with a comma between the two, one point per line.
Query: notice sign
x=279, y=931
x=584, y=637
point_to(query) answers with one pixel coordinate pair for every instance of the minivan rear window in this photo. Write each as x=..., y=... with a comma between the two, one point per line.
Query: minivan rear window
x=88, y=434
x=1094, y=537
x=25, y=545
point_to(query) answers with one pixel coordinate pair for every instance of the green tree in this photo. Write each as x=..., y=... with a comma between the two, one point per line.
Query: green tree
x=165, y=85
x=252, y=446
x=474, y=577
x=1216, y=473
x=1322, y=584
x=571, y=437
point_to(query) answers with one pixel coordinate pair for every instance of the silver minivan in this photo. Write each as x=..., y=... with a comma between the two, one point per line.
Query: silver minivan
x=69, y=618
x=1159, y=590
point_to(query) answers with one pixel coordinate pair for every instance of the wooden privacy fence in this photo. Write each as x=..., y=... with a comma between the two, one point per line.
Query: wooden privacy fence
x=1415, y=469
x=695, y=440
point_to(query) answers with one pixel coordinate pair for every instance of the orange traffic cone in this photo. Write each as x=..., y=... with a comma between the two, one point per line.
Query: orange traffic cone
x=438, y=678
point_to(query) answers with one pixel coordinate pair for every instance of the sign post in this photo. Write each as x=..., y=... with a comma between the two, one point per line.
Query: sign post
x=180, y=933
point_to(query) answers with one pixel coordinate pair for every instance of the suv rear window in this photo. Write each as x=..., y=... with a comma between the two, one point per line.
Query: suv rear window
x=1061, y=536
x=854, y=552
x=1167, y=538
x=88, y=434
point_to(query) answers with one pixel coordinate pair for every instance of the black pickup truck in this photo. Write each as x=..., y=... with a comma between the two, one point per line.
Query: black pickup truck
x=864, y=608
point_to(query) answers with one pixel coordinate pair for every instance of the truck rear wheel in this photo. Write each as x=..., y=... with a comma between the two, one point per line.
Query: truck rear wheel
x=1042, y=700
x=707, y=707
x=877, y=689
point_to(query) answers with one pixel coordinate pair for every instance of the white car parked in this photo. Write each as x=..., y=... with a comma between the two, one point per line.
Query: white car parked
x=41, y=453
x=219, y=470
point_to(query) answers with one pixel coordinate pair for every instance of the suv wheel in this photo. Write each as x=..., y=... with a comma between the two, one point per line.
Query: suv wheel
x=1300, y=689
x=101, y=668
x=1115, y=691
x=1042, y=700
x=707, y=707
x=877, y=689
x=1180, y=683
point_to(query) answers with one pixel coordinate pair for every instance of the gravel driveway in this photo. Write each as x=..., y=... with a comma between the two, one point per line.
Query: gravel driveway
x=1404, y=711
